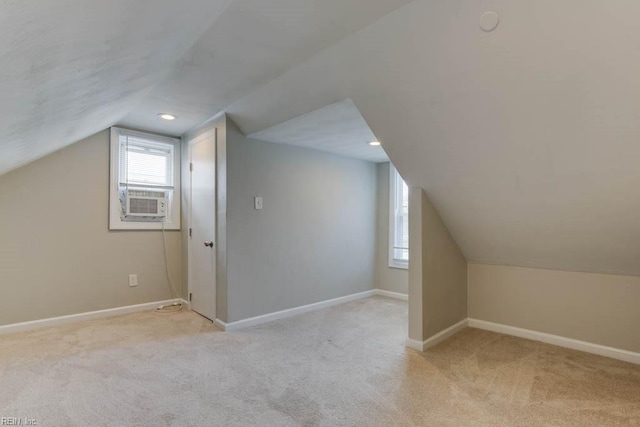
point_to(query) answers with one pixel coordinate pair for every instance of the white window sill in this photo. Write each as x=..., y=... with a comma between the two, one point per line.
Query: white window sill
x=400, y=266
x=140, y=226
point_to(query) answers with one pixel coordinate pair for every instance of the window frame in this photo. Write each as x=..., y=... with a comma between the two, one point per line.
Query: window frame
x=394, y=176
x=173, y=219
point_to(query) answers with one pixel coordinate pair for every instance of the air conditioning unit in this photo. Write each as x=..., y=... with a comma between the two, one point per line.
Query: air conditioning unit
x=146, y=203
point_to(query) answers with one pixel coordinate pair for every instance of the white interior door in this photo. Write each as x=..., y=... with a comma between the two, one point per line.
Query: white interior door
x=202, y=240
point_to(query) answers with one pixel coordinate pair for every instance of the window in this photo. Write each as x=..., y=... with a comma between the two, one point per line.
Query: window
x=398, y=221
x=145, y=171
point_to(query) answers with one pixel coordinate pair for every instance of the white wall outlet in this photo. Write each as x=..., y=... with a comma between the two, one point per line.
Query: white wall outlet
x=133, y=280
x=258, y=203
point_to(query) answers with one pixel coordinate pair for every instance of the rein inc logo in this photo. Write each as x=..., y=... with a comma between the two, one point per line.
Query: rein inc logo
x=17, y=421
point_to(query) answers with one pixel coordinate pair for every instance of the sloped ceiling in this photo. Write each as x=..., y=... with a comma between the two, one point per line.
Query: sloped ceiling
x=71, y=68
x=527, y=138
x=253, y=42
x=338, y=128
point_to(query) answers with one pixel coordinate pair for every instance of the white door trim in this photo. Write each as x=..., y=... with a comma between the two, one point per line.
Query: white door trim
x=193, y=141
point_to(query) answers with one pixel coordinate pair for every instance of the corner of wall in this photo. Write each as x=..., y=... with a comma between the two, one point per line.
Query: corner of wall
x=416, y=271
x=437, y=271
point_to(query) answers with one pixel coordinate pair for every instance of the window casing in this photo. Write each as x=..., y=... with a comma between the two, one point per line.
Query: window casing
x=398, y=221
x=147, y=162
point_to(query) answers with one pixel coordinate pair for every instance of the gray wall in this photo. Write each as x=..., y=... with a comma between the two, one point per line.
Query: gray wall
x=597, y=308
x=315, y=238
x=416, y=261
x=437, y=271
x=387, y=278
x=57, y=256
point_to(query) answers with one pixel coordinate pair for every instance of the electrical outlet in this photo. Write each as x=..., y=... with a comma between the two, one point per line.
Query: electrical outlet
x=133, y=280
x=258, y=203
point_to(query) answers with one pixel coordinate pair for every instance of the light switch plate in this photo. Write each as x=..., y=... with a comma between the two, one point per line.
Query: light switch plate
x=133, y=280
x=258, y=203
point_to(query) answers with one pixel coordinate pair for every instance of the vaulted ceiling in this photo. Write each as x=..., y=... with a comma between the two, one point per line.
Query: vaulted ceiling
x=338, y=128
x=526, y=138
x=250, y=44
x=73, y=67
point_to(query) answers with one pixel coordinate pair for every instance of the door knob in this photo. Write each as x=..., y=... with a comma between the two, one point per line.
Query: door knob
x=208, y=244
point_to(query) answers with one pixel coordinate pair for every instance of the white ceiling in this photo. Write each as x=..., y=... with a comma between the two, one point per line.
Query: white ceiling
x=525, y=138
x=71, y=68
x=253, y=42
x=338, y=128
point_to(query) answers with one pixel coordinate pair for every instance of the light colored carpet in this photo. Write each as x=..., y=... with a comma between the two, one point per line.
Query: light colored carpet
x=345, y=365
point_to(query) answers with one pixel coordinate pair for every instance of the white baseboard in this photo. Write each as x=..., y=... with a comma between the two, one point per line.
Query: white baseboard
x=437, y=338
x=258, y=320
x=389, y=294
x=415, y=344
x=220, y=324
x=443, y=335
x=614, y=353
x=55, y=321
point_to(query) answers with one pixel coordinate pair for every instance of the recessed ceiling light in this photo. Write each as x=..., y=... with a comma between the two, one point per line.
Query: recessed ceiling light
x=374, y=143
x=167, y=116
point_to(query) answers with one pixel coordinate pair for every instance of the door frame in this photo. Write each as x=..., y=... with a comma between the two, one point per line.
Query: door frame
x=213, y=132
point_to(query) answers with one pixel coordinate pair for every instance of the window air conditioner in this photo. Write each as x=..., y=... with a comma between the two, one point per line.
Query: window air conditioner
x=146, y=203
